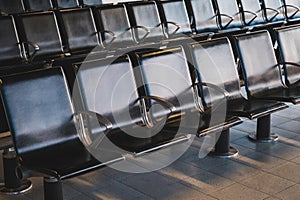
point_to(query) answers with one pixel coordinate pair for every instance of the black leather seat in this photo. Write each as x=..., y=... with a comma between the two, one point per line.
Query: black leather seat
x=10, y=48
x=12, y=6
x=253, y=13
x=66, y=3
x=44, y=125
x=166, y=75
x=175, y=17
x=146, y=14
x=41, y=41
x=263, y=79
x=292, y=9
x=289, y=49
x=214, y=63
x=81, y=31
x=91, y=2
x=274, y=11
x=114, y=26
x=39, y=5
x=108, y=87
x=204, y=16
x=229, y=14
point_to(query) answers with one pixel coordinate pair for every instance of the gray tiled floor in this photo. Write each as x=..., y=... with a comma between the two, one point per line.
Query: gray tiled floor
x=261, y=171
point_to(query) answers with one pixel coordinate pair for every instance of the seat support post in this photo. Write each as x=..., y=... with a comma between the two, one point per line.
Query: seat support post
x=222, y=147
x=12, y=184
x=52, y=189
x=263, y=131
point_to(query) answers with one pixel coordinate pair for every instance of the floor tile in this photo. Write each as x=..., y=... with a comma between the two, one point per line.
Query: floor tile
x=267, y=183
x=289, y=170
x=239, y=192
x=291, y=193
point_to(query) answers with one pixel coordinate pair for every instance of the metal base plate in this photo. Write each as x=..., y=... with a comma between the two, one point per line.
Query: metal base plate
x=26, y=186
x=233, y=152
x=273, y=138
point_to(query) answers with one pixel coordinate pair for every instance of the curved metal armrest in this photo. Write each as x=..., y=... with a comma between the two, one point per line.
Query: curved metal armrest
x=213, y=86
x=253, y=18
x=145, y=35
x=274, y=10
x=230, y=19
x=112, y=34
x=35, y=47
x=174, y=24
x=295, y=65
x=100, y=118
x=294, y=7
x=146, y=115
x=161, y=101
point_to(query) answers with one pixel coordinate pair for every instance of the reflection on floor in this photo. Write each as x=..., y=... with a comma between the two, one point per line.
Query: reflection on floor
x=261, y=171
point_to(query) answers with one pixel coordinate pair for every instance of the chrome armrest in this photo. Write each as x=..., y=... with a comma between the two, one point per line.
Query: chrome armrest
x=113, y=37
x=146, y=114
x=213, y=86
x=253, y=18
x=147, y=32
x=35, y=47
x=275, y=15
x=100, y=118
x=290, y=63
x=230, y=19
x=174, y=24
x=294, y=7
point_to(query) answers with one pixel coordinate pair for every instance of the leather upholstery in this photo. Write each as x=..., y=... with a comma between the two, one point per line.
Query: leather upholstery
x=252, y=6
x=41, y=123
x=217, y=56
x=109, y=89
x=166, y=74
x=292, y=9
x=12, y=6
x=67, y=3
x=262, y=76
x=276, y=6
x=231, y=9
x=80, y=29
x=41, y=28
x=10, y=50
x=114, y=18
x=288, y=42
x=39, y=5
x=175, y=11
x=146, y=14
x=204, y=16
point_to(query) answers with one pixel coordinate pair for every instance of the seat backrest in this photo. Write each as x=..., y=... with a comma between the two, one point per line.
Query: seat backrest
x=12, y=6
x=292, y=9
x=40, y=113
x=42, y=29
x=114, y=18
x=204, y=16
x=80, y=29
x=10, y=49
x=166, y=75
x=214, y=63
x=175, y=12
x=258, y=62
x=252, y=6
x=272, y=7
x=39, y=5
x=146, y=14
x=229, y=8
x=289, y=47
x=67, y=3
x=108, y=87
x=92, y=2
